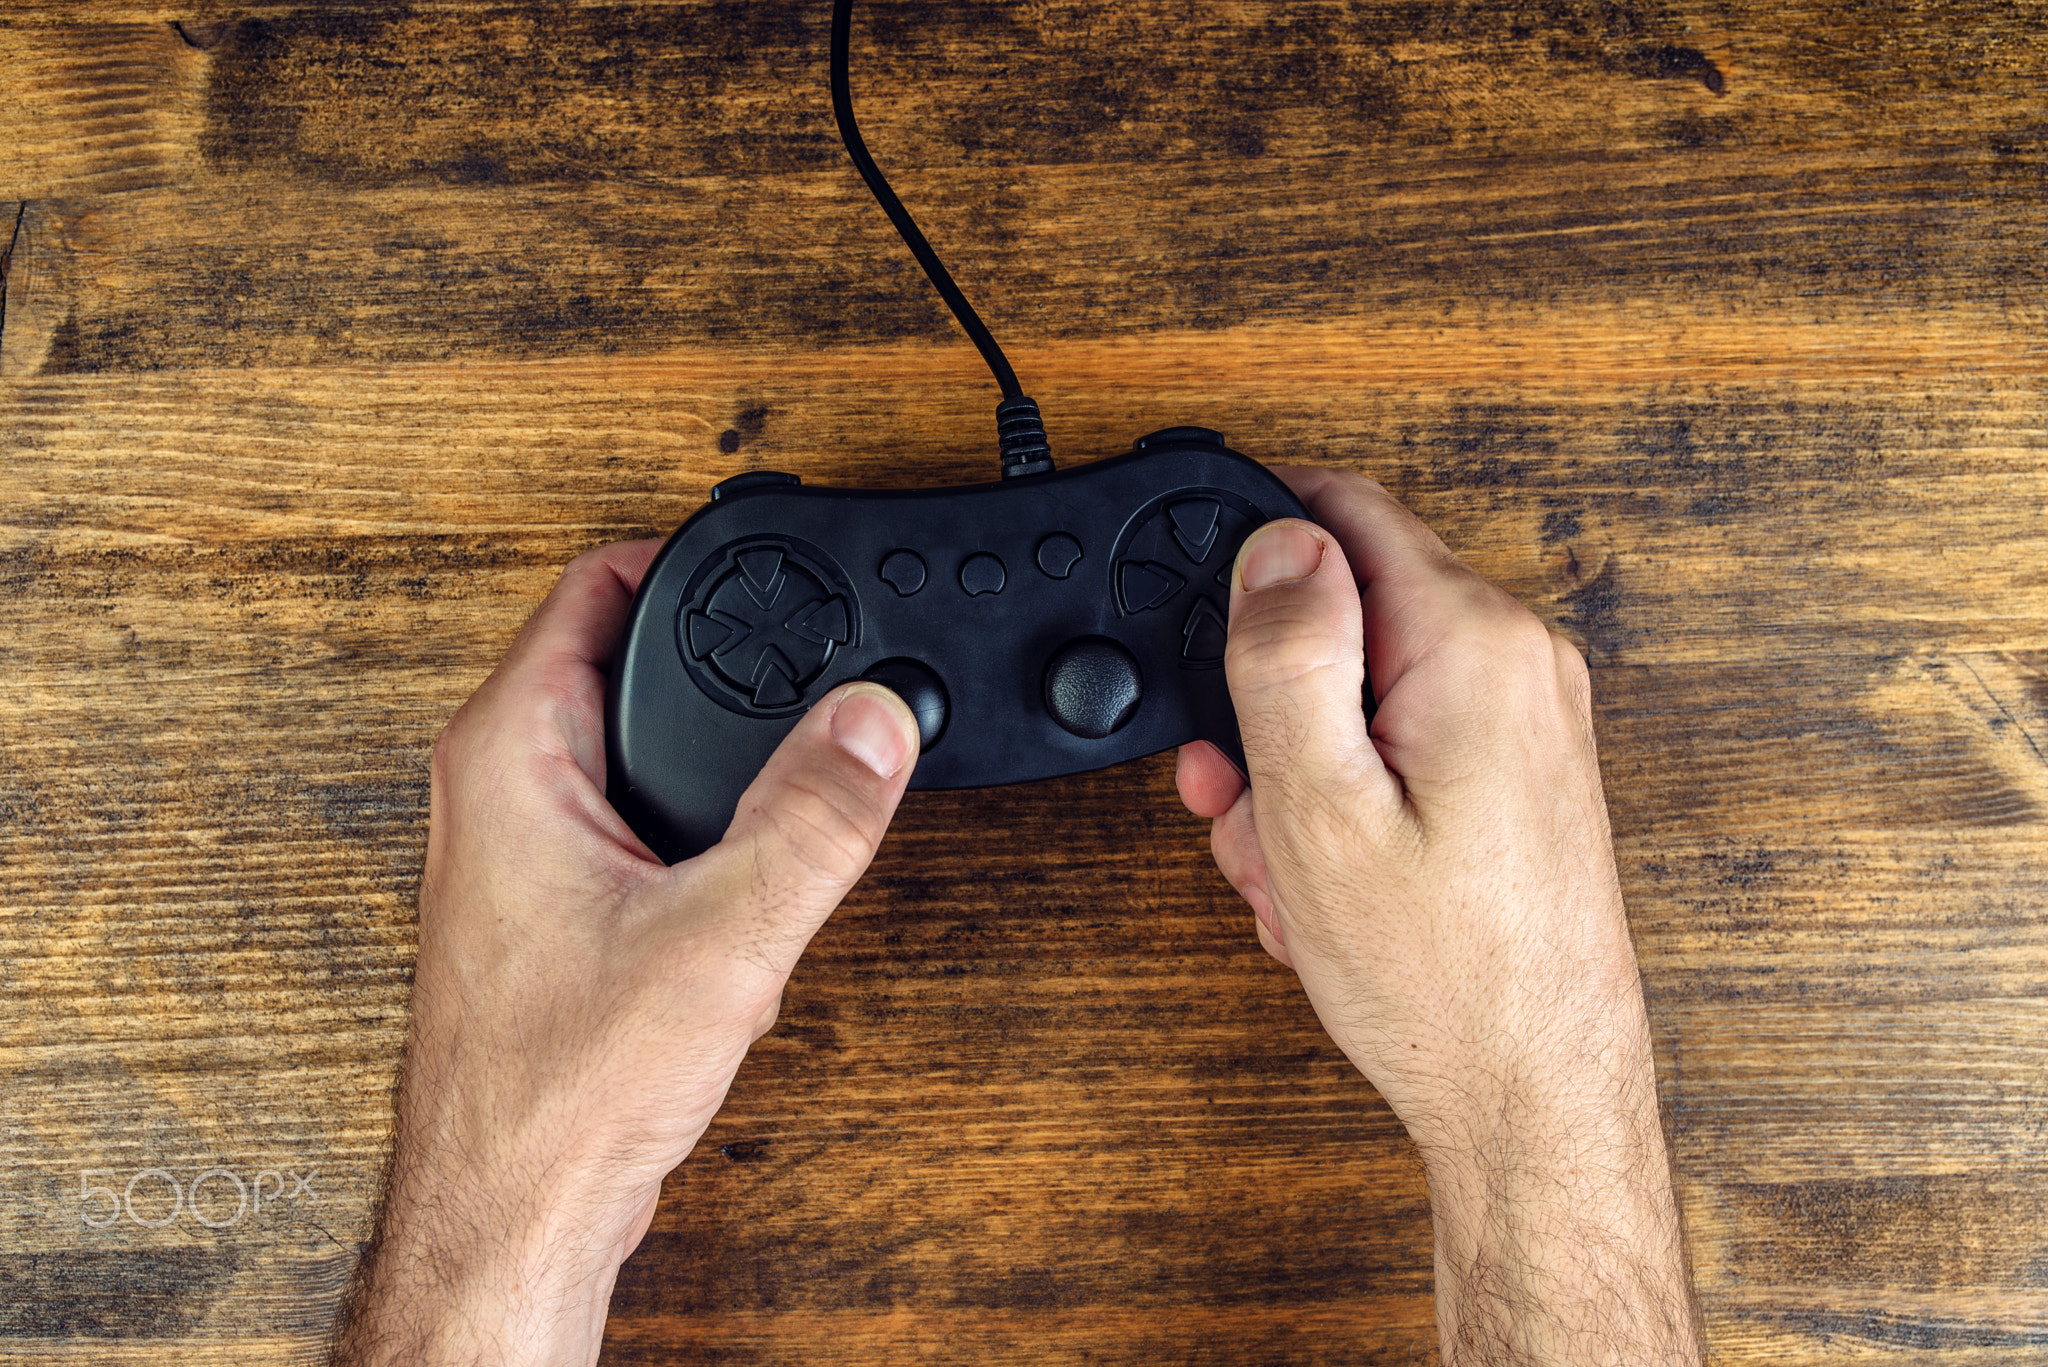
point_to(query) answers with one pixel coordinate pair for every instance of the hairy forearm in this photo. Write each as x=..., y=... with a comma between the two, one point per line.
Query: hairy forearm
x=483, y=1253
x=441, y=1284
x=1558, y=1232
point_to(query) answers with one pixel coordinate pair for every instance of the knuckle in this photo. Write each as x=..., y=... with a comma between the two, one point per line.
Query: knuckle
x=1526, y=643
x=588, y=562
x=584, y=576
x=1571, y=665
x=562, y=692
x=1356, y=485
x=1500, y=646
x=1574, y=679
x=450, y=750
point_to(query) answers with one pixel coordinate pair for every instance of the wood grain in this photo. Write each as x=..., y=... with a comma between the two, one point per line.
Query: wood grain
x=1713, y=331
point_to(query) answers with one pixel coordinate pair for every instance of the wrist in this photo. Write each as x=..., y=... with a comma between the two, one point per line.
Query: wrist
x=1553, y=1179
x=473, y=1276
x=1559, y=1053
x=1558, y=1236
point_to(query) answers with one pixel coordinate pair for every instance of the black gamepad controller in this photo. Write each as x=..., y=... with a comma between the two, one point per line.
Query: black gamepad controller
x=1037, y=626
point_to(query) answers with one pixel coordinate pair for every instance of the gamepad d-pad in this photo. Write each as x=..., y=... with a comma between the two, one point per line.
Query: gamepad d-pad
x=762, y=620
x=1037, y=626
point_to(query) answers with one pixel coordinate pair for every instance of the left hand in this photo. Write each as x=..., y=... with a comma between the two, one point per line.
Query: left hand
x=579, y=1010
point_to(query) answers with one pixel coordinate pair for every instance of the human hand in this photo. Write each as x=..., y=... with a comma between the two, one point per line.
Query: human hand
x=1443, y=882
x=578, y=1009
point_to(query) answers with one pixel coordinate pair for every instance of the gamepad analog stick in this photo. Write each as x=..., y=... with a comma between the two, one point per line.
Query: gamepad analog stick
x=1093, y=686
x=921, y=691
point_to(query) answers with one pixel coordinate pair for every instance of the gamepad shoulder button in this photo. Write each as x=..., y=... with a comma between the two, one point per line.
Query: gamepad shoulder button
x=903, y=571
x=752, y=479
x=1058, y=554
x=983, y=573
x=1179, y=436
x=1092, y=686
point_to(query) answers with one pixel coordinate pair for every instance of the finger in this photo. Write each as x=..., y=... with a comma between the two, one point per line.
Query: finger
x=1416, y=593
x=1208, y=782
x=584, y=614
x=807, y=827
x=1234, y=840
x=557, y=665
x=1296, y=666
x=1271, y=942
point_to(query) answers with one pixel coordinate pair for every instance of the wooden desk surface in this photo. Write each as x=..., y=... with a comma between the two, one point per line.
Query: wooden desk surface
x=1712, y=328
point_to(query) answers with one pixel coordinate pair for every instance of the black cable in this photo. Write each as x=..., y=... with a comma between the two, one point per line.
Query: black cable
x=1020, y=431
x=934, y=269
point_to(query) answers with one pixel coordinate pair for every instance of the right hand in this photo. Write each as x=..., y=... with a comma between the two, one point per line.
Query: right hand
x=1443, y=882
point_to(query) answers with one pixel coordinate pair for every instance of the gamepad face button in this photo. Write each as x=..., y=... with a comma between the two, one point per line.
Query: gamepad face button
x=775, y=680
x=903, y=571
x=983, y=573
x=1092, y=687
x=1178, y=436
x=1177, y=546
x=1058, y=554
x=768, y=627
x=714, y=633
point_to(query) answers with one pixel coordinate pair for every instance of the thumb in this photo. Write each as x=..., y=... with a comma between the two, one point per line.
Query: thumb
x=807, y=827
x=1296, y=667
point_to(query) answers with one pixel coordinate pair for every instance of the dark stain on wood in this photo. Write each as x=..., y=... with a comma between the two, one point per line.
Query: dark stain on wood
x=591, y=179
x=110, y=1294
x=748, y=426
x=1667, y=61
x=538, y=83
x=1137, y=1261
x=1910, y=1231
x=1482, y=446
x=1561, y=524
x=1594, y=615
x=1899, y=1330
x=1799, y=735
x=341, y=569
x=2035, y=663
